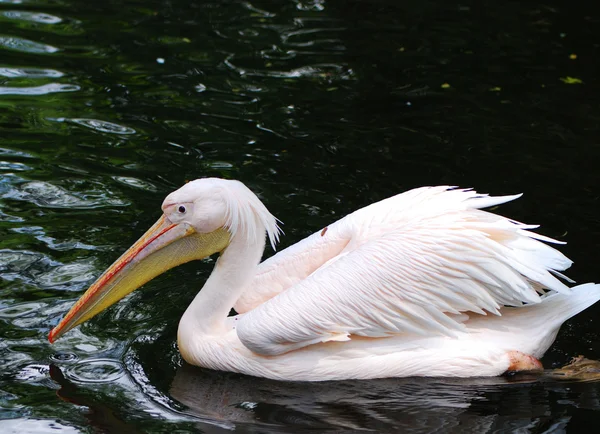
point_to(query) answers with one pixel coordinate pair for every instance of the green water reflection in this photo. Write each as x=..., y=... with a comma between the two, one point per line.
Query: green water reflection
x=320, y=106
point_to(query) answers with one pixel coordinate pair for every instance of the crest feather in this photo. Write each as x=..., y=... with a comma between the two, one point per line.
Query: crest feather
x=247, y=215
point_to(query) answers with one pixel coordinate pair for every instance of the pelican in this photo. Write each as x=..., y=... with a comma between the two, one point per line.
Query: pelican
x=424, y=283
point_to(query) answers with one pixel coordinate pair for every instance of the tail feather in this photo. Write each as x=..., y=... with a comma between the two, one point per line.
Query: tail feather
x=532, y=328
x=557, y=308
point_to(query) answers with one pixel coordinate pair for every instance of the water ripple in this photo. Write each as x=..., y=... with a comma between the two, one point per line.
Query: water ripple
x=18, y=262
x=295, y=38
x=25, y=45
x=72, y=274
x=310, y=5
x=76, y=338
x=30, y=425
x=29, y=72
x=101, y=126
x=39, y=234
x=9, y=218
x=36, y=17
x=39, y=90
x=12, y=166
x=64, y=357
x=14, y=153
x=20, y=309
x=329, y=72
x=276, y=53
x=39, y=270
x=257, y=11
x=135, y=183
x=47, y=195
x=32, y=373
x=96, y=371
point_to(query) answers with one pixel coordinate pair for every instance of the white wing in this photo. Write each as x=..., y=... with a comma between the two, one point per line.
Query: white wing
x=408, y=264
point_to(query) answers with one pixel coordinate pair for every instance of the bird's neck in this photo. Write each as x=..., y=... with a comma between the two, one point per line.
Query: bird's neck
x=233, y=271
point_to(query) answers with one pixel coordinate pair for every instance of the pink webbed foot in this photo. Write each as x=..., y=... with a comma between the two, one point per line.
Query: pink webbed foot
x=520, y=362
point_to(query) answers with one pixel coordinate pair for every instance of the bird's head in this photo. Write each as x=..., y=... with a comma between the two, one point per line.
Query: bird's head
x=199, y=219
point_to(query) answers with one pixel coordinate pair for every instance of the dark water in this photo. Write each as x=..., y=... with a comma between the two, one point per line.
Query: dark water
x=320, y=106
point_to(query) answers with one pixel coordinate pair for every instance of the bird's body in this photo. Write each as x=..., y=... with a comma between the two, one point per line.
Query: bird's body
x=485, y=349
x=423, y=283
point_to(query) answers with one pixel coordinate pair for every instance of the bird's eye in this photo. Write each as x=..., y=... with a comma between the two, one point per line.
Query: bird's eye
x=181, y=209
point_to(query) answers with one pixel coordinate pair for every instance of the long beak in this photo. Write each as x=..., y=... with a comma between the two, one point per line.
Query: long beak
x=164, y=246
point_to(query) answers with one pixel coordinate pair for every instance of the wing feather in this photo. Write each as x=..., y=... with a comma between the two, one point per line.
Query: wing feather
x=417, y=261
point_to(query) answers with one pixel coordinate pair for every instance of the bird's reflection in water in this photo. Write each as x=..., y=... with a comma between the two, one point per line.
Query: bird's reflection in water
x=218, y=402
x=101, y=417
x=520, y=402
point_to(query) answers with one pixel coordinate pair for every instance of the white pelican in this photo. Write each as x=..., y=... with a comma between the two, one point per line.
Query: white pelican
x=420, y=284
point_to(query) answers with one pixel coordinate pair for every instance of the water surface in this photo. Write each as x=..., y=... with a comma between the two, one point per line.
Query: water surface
x=321, y=107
